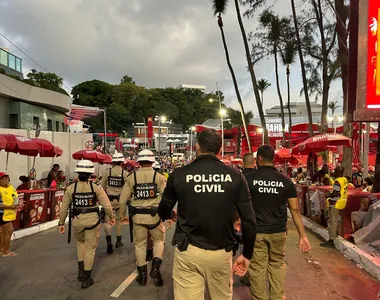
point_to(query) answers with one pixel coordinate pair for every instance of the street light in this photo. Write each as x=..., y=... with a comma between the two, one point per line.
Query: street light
x=260, y=130
x=192, y=128
x=159, y=119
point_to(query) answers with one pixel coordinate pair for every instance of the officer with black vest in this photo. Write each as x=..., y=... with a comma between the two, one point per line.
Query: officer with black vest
x=271, y=193
x=145, y=186
x=207, y=192
x=83, y=198
x=113, y=181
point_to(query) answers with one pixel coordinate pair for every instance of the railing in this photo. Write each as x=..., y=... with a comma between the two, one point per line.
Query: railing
x=10, y=60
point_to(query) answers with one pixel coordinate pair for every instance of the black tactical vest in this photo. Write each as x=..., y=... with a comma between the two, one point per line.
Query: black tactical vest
x=83, y=200
x=116, y=181
x=145, y=191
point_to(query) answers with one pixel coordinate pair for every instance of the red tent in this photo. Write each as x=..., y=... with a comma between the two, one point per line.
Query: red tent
x=320, y=142
x=20, y=144
x=91, y=155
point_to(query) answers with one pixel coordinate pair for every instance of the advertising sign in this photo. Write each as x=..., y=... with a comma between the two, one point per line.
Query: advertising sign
x=274, y=127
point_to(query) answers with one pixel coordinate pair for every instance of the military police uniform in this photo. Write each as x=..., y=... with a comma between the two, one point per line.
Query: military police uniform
x=207, y=193
x=113, y=181
x=84, y=198
x=144, y=186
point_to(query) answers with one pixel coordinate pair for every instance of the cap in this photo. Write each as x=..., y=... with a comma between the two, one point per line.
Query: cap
x=2, y=174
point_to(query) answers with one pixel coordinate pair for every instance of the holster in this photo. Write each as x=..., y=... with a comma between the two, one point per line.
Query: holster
x=181, y=241
x=130, y=215
x=102, y=215
x=234, y=248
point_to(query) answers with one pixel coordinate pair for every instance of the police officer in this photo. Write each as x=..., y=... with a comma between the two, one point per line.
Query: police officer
x=207, y=192
x=113, y=181
x=271, y=192
x=84, y=197
x=145, y=185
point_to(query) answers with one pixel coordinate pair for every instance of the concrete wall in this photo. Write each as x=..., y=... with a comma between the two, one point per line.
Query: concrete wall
x=20, y=165
x=4, y=115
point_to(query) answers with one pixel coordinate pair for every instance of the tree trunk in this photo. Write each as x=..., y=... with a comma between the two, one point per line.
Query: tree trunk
x=252, y=73
x=279, y=93
x=376, y=183
x=303, y=71
x=325, y=98
x=262, y=97
x=289, y=111
x=235, y=86
x=342, y=33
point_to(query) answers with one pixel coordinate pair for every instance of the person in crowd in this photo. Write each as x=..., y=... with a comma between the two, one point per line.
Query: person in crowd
x=84, y=198
x=326, y=179
x=300, y=176
x=61, y=179
x=350, y=184
x=271, y=193
x=248, y=164
x=8, y=211
x=207, y=193
x=26, y=183
x=144, y=188
x=113, y=181
x=335, y=203
x=53, y=174
x=367, y=185
x=357, y=177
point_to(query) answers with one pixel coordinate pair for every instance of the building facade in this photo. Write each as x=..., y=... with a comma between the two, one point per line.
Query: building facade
x=192, y=87
x=10, y=64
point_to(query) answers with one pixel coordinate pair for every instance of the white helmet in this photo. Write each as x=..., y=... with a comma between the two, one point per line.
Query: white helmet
x=146, y=155
x=117, y=157
x=156, y=165
x=85, y=166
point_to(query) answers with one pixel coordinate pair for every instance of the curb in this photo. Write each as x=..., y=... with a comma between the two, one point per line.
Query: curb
x=33, y=230
x=367, y=262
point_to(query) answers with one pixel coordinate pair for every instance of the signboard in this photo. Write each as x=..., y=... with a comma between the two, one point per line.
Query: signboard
x=274, y=127
x=367, y=104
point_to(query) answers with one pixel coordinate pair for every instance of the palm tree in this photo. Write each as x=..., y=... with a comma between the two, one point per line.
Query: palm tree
x=333, y=106
x=288, y=57
x=303, y=69
x=251, y=70
x=219, y=8
x=275, y=26
x=262, y=85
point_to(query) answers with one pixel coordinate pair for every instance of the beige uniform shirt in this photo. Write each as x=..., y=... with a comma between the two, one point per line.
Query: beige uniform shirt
x=84, y=187
x=143, y=175
x=113, y=191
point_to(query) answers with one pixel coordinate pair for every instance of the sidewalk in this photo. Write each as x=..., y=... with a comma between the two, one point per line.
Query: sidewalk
x=34, y=229
x=364, y=260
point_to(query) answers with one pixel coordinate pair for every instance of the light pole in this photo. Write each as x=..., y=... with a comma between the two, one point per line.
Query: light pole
x=159, y=119
x=192, y=128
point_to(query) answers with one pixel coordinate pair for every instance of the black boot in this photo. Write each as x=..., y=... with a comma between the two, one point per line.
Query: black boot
x=155, y=272
x=328, y=244
x=143, y=275
x=109, y=244
x=87, y=280
x=80, y=270
x=149, y=254
x=119, y=243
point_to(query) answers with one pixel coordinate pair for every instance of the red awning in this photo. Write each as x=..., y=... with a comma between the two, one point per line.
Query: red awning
x=79, y=112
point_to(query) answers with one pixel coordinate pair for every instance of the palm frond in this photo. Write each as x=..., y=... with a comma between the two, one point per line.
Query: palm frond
x=219, y=6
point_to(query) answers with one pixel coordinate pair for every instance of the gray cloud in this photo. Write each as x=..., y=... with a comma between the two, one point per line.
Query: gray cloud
x=158, y=42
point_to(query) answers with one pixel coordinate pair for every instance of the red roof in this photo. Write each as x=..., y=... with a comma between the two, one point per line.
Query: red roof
x=79, y=112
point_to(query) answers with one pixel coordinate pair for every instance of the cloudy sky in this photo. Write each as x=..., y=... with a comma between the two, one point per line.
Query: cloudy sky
x=160, y=43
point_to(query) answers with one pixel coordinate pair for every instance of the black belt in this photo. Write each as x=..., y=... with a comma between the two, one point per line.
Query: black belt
x=144, y=211
x=113, y=197
x=92, y=227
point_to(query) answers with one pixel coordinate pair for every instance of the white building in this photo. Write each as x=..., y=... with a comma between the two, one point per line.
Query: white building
x=192, y=87
x=297, y=109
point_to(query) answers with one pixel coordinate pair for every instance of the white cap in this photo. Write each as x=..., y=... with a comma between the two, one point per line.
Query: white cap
x=85, y=166
x=146, y=155
x=118, y=157
x=156, y=165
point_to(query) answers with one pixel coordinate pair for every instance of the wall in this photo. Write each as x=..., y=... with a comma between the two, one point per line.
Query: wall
x=4, y=116
x=20, y=165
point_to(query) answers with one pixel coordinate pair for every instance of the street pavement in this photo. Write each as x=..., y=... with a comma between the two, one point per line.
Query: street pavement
x=46, y=268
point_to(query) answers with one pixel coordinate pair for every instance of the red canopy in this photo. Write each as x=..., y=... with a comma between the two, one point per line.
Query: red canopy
x=133, y=163
x=20, y=144
x=3, y=143
x=91, y=155
x=108, y=159
x=320, y=142
x=284, y=155
x=47, y=149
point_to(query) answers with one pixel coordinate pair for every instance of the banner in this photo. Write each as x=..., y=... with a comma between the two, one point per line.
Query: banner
x=150, y=131
x=355, y=144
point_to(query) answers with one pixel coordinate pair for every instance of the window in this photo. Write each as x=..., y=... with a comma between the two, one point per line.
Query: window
x=56, y=126
x=3, y=58
x=50, y=125
x=18, y=65
x=13, y=121
x=12, y=61
x=63, y=127
x=36, y=122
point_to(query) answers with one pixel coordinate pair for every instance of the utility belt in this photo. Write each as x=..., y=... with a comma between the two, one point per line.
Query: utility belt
x=114, y=197
x=144, y=211
x=76, y=211
x=181, y=241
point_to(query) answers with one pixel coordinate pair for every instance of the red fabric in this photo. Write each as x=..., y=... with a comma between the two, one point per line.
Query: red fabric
x=46, y=148
x=3, y=143
x=150, y=131
x=108, y=159
x=93, y=156
x=20, y=144
x=319, y=143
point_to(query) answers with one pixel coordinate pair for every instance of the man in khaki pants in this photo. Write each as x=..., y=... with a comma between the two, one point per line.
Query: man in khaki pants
x=85, y=196
x=144, y=186
x=113, y=181
x=207, y=193
x=271, y=191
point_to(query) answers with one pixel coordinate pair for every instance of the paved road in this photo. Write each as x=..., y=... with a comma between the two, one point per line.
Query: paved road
x=45, y=268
